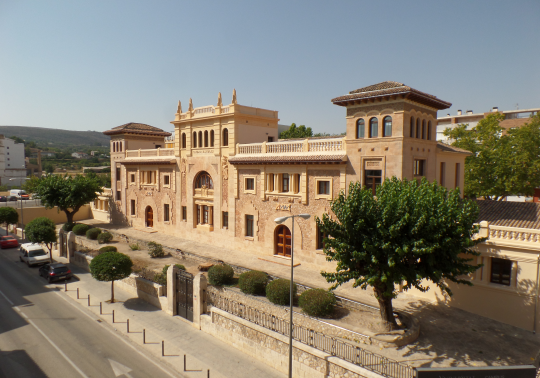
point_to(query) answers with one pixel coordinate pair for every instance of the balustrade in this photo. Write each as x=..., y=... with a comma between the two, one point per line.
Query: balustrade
x=509, y=234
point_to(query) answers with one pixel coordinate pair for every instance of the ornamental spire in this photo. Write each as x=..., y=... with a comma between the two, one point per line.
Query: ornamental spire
x=234, y=96
x=219, y=101
x=179, y=110
x=190, y=105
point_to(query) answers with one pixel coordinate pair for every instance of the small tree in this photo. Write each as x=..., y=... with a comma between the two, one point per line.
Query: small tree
x=296, y=132
x=69, y=193
x=406, y=234
x=111, y=266
x=42, y=230
x=8, y=215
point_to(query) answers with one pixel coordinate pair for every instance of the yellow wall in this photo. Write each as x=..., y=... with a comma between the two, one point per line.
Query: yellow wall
x=31, y=213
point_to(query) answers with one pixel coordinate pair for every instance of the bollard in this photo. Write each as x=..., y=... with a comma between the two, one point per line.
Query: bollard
x=144, y=336
x=77, y=293
x=100, y=308
x=127, y=322
x=88, y=300
x=65, y=286
x=208, y=374
x=184, y=362
x=162, y=348
x=113, y=316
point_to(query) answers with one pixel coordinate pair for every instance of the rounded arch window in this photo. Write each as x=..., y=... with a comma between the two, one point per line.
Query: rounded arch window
x=417, y=128
x=200, y=139
x=373, y=127
x=204, y=180
x=225, y=137
x=412, y=128
x=114, y=147
x=206, y=138
x=429, y=130
x=387, y=126
x=194, y=139
x=424, y=129
x=360, y=128
x=211, y=138
x=183, y=140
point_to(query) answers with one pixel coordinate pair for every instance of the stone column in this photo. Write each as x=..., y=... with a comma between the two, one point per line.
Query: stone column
x=171, y=290
x=70, y=245
x=199, y=299
x=61, y=236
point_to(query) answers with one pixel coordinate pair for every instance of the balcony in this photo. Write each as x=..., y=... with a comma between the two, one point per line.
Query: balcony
x=149, y=156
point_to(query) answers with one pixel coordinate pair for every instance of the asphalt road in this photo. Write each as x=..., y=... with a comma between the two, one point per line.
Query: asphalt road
x=43, y=335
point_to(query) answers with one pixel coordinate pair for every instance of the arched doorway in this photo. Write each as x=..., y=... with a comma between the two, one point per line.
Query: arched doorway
x=149, y=216
x=282, y=241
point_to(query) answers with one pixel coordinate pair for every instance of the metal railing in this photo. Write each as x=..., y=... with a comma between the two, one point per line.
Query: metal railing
x=318, y=340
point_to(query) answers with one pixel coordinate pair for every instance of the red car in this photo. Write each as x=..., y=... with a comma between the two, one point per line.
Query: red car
x=8, y=242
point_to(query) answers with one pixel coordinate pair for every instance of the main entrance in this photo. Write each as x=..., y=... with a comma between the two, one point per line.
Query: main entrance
x=149, y=216
x=283, y=241
x=184, y=294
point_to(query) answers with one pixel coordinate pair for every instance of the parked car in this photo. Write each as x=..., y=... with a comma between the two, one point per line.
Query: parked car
x=3, y=199
x=55, y=272
x=33, y=254
x=11, y=198
x=8, y=241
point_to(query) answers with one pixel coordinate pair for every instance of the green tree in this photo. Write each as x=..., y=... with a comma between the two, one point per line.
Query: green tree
x=407, y=233
x=30, y=185
x=69, y=193
x=502, y=163
x=8, y=215
x=111, y=266
x=17, y=139
x=49, y=168
x=296, y=132
x=42, y=230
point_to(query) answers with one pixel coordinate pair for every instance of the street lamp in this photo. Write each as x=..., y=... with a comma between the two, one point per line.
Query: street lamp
x=280, y=220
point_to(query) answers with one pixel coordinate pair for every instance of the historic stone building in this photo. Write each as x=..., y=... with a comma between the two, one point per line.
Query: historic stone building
x=228, y=177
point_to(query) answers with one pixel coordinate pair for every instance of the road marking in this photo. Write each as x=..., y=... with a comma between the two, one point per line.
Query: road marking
x=46, y=337
x=118, y=336
x=119, y=369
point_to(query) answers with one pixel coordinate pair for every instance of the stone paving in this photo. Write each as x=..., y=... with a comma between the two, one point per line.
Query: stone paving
x=448, y=336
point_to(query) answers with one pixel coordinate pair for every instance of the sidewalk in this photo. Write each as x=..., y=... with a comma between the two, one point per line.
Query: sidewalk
x=202, y=351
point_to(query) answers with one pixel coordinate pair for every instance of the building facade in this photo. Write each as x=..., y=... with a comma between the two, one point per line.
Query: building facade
x=228, y=177
x=12, y=163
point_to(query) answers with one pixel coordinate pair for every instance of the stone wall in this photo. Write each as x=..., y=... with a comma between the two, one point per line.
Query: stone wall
x=273, y=348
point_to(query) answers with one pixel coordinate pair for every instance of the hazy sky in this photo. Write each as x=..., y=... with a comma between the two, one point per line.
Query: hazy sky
x=94, y=65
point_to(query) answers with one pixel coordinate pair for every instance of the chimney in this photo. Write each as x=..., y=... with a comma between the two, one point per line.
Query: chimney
x=469, y=111
x=495, y=109
x=459, y=112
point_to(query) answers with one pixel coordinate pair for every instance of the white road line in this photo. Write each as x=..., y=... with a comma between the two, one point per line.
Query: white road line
x=47, y=338
x=118, y=336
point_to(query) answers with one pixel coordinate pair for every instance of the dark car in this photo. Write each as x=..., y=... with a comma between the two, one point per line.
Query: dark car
x=55, y=272
x=8, y=241
x=3, y=199
x=12, y=198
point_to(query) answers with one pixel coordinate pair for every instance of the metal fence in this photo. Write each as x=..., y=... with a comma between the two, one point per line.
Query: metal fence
x=331, y=345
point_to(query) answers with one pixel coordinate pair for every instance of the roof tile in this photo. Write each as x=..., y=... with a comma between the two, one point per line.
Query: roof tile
x=510, y=214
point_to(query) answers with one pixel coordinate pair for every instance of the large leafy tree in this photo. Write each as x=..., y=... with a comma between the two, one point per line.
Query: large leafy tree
x=502, y=162
x=42, y=230
x=69, y=193
x=111, y=266
x=409, y=232
x=296, y=132
x=8, y=215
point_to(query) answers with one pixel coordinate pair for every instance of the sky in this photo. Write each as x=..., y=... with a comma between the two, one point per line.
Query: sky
x=94, y=65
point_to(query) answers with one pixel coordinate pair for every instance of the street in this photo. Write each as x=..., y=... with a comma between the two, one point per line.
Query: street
x=42, y=335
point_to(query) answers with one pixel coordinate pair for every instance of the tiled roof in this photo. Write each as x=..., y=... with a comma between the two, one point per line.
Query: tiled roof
x=389, y=88
x=447, y=148
x=284, y=159
x=136, y=128
x=510, y=214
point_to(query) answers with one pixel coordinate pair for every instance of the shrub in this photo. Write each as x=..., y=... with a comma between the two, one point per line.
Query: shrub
x=80, y=229
x=104, y=237
x=317, y=302
x=253, y=282
x=108, y=248
x=219, y=275
x=134, y=247
x=180, y=266
x=68, y=226
x=161, y=278
x=278, y=291
x=155, y=249
x=93, y=233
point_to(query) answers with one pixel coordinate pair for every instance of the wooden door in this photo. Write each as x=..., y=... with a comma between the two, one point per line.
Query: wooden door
x=283, y=241
x=149, y=217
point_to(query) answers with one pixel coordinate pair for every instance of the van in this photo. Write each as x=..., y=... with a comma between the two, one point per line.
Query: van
x=19, y=193
x=33, y=254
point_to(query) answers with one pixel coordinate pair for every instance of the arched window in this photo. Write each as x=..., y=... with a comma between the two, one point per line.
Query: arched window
x=121, y=146
x=200, y=139
x=211, y=138
x=225, y=137
x=360, y=128
x=429, y=130
x=387, y=123
x=418, y=128
x=194, y=139
x=412, y=127
x=424, y=129
x=183, y=140
x=114, y=147
x=206, y=138
x=373, y=127
x=204, y=180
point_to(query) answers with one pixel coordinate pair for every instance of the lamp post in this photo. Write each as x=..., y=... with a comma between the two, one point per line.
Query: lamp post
x=280, y=220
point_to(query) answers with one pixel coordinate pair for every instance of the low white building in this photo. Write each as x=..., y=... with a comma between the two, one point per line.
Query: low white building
x=12, y=164
x=79, y=155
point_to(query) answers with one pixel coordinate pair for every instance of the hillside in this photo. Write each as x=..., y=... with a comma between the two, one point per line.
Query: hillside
x=55, y=137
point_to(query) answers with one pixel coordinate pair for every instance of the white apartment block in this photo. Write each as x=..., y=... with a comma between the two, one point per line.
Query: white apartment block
x=12, y=165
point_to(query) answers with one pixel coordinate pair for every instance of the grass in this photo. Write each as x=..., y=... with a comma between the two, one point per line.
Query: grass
x=135, y=247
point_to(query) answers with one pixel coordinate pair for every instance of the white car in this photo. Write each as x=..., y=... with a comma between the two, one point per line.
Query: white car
x=33, y=254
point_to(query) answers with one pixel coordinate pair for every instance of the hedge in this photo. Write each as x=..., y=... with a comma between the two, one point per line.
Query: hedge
x=93, y=233
x=108, y=248
x=317, y=302
x=278, y=291
x=68, y=226
x=253, y=282
x=219, y=275
x=104, y=237
x=155, y=249
x=80, y=229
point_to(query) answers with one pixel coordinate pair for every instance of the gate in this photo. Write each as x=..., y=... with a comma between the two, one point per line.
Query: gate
x=184, y=295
